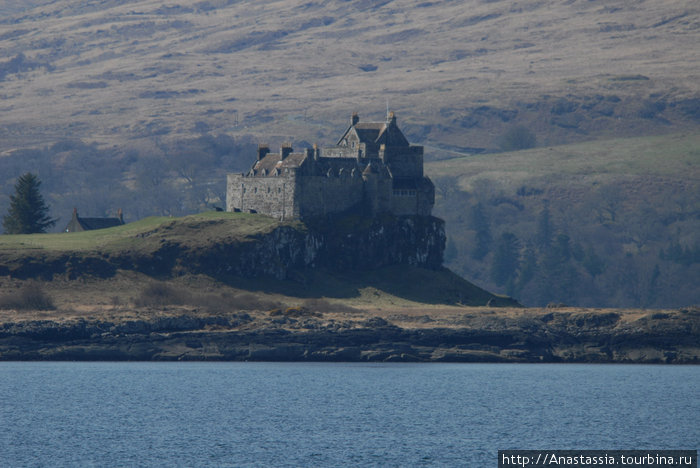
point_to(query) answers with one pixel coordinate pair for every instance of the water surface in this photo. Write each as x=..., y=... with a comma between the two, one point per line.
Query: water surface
x=297, y=414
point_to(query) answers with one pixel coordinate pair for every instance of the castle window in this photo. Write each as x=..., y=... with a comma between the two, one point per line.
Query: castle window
x=255, y=190
x=279, y=189
x=268, y=190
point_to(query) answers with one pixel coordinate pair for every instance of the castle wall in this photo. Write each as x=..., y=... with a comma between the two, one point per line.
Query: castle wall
x=404, y=162
x=321, y=195
x=273, y=196
x=404, y=202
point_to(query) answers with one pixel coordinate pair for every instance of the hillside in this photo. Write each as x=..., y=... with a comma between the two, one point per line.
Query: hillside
x=255, y=253
x=146, y=105
x=143, y=70
x=600, y=224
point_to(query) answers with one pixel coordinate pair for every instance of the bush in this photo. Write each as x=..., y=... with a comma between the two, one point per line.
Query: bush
x=160, y=294
x=30, y=297
x=517, y=138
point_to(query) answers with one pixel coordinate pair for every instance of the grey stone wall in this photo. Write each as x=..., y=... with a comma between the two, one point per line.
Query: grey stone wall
x=322, y=195
x=272, y=195
x=404, y=162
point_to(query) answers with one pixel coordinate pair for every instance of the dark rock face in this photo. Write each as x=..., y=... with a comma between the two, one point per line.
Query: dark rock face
x=351, y=244
x=409, y=240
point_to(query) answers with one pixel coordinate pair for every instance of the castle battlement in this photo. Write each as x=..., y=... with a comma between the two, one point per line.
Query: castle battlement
x=372, y=167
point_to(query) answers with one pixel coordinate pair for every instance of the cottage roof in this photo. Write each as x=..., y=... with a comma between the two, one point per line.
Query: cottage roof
x=78, y=223
x=90, y=224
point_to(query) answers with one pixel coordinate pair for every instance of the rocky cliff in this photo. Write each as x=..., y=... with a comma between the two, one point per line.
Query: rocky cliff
x=215, y=247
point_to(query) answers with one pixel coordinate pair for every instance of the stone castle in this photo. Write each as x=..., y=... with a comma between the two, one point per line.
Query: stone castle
x=372, y=168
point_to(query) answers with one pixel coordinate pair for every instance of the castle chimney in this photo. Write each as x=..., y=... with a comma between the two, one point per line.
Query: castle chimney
x=317, y=153
x=120, y=215
x=391, y=118
x=285, y=150
x=354, y=119
x=263, y=149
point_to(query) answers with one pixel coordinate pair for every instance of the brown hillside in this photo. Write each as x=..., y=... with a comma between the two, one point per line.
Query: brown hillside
x=140, y=69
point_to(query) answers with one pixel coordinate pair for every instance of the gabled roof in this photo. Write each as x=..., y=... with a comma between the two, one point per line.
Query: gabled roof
x=78, y=223
x=90, y=224
x=377, y=133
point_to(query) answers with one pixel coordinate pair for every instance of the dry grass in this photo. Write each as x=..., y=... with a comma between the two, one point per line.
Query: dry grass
x=31, y=296
x=117, y=71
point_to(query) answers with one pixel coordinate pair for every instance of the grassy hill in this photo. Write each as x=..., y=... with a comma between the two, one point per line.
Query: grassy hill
x=219, y=225
x=605, y=223
x=221, y=250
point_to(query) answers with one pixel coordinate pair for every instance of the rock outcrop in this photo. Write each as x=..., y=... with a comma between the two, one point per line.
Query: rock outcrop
x=341, y=244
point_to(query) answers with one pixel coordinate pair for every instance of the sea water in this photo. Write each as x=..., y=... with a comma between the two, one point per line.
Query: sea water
x=298, y=414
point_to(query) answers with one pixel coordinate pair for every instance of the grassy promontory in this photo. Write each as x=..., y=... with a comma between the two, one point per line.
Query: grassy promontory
x=102, y=301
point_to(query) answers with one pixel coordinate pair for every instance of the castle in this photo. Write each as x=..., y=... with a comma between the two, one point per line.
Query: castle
x=372, y=168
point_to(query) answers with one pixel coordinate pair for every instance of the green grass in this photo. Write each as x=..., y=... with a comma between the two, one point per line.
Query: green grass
x=242, y=224
x=668, y=155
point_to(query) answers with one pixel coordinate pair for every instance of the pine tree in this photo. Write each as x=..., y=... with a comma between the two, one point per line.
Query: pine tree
x=28, y=213
x=544, y=229
x=480, y=223
x=506, y=261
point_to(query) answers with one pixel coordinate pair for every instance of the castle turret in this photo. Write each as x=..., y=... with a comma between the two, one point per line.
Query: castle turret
x=355, y=119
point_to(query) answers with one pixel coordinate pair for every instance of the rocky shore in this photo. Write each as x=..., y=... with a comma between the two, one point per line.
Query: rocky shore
x=445, y=335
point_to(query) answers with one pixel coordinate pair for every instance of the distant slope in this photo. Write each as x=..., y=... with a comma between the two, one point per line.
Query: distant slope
x=609, y=223
x=460, y=74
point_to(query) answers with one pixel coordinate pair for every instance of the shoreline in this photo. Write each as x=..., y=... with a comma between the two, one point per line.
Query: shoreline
x=450, y=334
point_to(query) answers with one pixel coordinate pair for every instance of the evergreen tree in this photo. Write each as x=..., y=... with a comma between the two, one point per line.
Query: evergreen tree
x=28, y=213
x=480, y=224
x=506, y=261
x=544, y=229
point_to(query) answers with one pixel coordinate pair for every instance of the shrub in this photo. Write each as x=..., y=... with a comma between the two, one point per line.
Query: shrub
x=517, y=138
x=30, y=297
x=160, y=294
